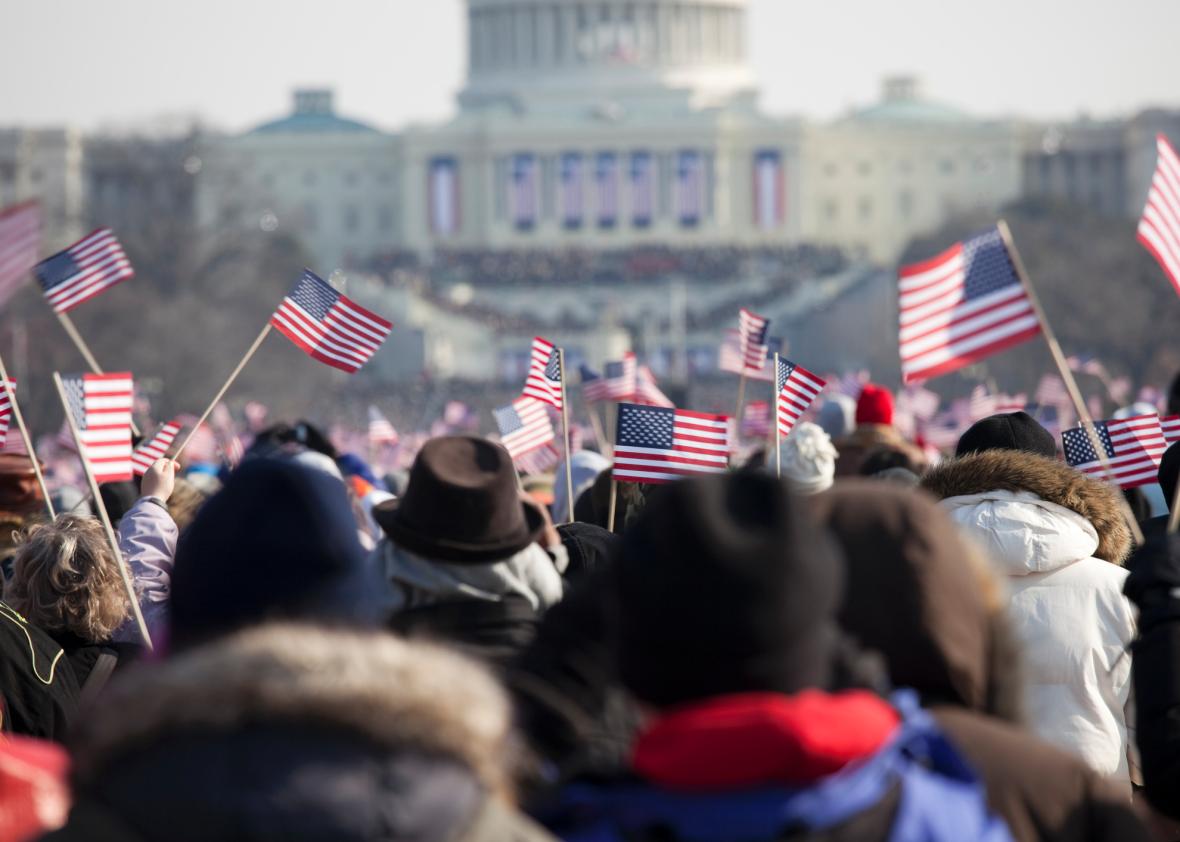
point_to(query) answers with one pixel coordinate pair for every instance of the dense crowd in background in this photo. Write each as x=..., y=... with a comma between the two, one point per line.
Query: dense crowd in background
x=418, y=642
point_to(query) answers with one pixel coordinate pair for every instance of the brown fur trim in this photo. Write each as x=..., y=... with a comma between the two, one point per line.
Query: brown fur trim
x=395, y=693
x=1055, y=482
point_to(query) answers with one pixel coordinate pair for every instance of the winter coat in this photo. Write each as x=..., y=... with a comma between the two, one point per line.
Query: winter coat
x=490, y=611
x=83, y=654
x=1059, y=538
x=291, y=733
x=943, y=635
x=866, y=438
x=37, y=686
x=147, y=540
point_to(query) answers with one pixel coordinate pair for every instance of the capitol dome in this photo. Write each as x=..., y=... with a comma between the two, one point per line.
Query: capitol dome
x=579, y=54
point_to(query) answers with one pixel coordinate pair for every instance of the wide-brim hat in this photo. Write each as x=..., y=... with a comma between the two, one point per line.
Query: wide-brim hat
x=462, y=504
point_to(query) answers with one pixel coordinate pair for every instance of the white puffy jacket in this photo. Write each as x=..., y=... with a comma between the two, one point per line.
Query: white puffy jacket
x=1069, y=610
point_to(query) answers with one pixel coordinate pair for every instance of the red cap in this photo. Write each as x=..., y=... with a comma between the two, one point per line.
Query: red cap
x=875, y=405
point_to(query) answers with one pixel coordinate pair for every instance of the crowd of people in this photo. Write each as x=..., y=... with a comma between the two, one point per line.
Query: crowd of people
x=875, y=646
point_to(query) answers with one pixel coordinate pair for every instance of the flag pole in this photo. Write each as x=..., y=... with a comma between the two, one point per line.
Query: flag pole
x=778, y=434
x=596, y=426
x=614, y=499
x=84, y=350
x=124, y=572
x=1174, y=516
x=225, y=388
x=741, y=394
x=1071, y=385
x=24, y=434
x=565, y=429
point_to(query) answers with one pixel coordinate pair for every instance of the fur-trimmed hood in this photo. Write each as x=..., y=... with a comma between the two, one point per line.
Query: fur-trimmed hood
x=1010, y=484
x=386, y=692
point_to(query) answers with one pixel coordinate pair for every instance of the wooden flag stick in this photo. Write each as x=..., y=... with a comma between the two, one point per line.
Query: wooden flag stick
x=614, y=499
x=24, y=434
x=565, y=429
x=596, y=426
x=84, y=350
x=1071, y=385
x=1174, y=517
x=103, y=516
x=253, y=349
x=778, y=435
x=741, y=395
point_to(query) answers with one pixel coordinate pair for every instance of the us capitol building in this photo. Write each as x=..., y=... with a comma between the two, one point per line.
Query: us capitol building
x=607, y=125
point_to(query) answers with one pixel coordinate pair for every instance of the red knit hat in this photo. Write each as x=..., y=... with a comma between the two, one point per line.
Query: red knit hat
x=875, y=405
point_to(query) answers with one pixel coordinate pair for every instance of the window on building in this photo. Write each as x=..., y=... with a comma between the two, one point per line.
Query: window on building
x=831, y=210
x=384, y=219
x=351, y=218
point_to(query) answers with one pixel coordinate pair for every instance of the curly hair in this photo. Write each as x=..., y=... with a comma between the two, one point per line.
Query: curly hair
x=65, y=578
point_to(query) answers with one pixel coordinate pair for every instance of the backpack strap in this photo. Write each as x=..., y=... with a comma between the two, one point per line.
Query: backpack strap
x=98, y=678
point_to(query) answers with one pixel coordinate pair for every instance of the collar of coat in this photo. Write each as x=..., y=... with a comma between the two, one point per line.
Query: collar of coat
x=1055, y=482
x=749, y=739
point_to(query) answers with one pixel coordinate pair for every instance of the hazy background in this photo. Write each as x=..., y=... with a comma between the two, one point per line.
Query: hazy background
x=233, y=62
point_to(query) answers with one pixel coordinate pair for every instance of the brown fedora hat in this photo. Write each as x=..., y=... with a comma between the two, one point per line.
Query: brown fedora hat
x=461, y=504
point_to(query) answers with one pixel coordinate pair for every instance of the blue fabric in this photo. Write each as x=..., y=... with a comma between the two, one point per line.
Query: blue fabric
x=940, y=799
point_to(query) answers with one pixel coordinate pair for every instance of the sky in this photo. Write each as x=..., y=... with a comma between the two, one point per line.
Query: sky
x=233, y=63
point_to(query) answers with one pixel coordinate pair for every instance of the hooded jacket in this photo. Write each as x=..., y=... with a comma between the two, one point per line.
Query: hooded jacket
x=293, y=733
x=1059, y=538
x=944, y=637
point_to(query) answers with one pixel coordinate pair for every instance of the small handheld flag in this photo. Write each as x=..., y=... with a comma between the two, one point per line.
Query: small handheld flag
x=544, y=378
x=1171, y=428
x=100, y=405
x=20, y=245
x=961, y=307
x=5, y=410
x=797, y=389
x=647, y=391
x=657, y=444
x=524, y=426
x=328, y=326
x=90, y=266
x=154, y=448
x=1159, y=228
x=752, y=339
x=1133, y=448
x=381, y=430
x=618, y=382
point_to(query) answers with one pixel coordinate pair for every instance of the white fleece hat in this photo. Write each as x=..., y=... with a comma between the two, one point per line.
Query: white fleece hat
x=809, y=459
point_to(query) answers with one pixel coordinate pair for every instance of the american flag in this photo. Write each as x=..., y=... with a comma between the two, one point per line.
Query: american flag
x=544, y=378
x=573, y=201
x=647, y=391
x=100, y=405
x=90, y=266
x=752, y=339
x=920, y=402
x=329, y=326
x=960, y=307
x=226, y=432
x=619, y=381
x=381, y=430
x=1159, y=228
x=524, y=426
x=1171, y=428
x=797, y=388
x=730, y=358
x=522, y=193
x=20, y=245
x=154, y=448
x=6, y=409
x=606, y=177
x=756, y=420
x=539, y=461
x=1134, y=447
x=1051, y=391
x=657, y=444
x=643, y=188
x=690, y=179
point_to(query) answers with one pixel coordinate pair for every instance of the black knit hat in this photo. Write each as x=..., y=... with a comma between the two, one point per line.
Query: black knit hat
x=1013, y=431
x=725, y=586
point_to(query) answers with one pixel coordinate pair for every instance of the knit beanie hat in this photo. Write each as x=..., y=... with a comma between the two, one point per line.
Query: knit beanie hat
x=808, y=459
x=725, y=586
x=1012, y=431
x=875, y=405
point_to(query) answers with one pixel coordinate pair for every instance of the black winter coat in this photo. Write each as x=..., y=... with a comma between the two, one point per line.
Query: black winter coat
x=37, y=685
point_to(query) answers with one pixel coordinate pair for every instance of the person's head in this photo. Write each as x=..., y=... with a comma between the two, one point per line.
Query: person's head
x=874, y=406
x=1169, y=473
x=808, y=459
x=1008, y=431
x=278, y=541
x=724, y=586
x=66, y=579
x=1174, y=396
x=462, y=505
x=881, y=460
x=184, y=503
x=922, y=596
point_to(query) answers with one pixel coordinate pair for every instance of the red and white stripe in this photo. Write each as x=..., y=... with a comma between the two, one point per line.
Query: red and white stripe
x=700, y=445
x=1139, y=445
x=346, y=339
x=105, y=431
x=154, y=448
x=1171, y=427
x=941, y=331
x=6, y=408
x=20, y=246
x=536, y=432
x=1159, y=227
x=797, y=394
x=101, y=262
x=751, y=336
x=647, y=391
x=536, y=384
x=381, y=429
